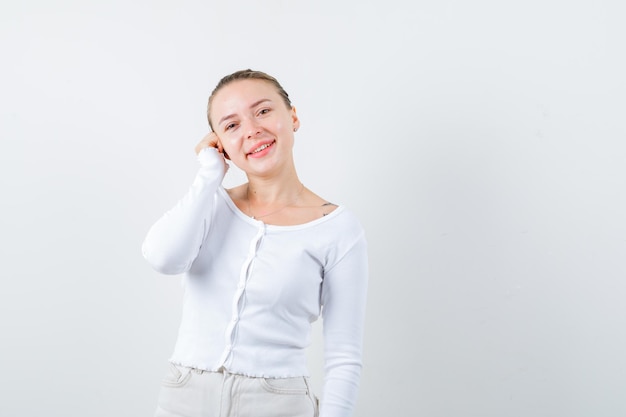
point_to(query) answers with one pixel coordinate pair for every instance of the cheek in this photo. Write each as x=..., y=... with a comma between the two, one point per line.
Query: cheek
x=232, y=146
x=230, y=142
x=281, y=126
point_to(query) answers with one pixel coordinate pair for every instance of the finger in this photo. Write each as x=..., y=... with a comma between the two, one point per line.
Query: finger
x=209, y=141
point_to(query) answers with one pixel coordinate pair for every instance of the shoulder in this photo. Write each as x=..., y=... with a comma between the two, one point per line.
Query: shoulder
x=348, y=222
x=341, y=227
x=344, y=219
x=236, y=193
x=346, y=242
x=314, y=205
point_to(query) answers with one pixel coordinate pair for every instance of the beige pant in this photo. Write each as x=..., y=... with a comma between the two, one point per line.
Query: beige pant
x=188, y=392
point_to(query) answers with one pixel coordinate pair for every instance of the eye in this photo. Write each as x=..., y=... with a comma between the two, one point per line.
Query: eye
x=230, y=126
x=264, y=111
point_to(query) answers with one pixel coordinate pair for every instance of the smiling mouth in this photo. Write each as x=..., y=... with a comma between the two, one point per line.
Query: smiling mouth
x=262, y=147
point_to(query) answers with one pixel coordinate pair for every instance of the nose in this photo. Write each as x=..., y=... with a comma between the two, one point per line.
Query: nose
x=252, y=129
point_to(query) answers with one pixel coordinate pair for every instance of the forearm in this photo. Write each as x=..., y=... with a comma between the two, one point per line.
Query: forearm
x=341, y=386
x=173, y=242
x=344, y=297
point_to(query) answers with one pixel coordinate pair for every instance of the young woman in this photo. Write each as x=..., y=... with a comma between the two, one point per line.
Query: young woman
x=261, y=262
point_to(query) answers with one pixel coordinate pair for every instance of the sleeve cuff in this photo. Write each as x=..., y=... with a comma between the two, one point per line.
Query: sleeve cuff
x=211, y=159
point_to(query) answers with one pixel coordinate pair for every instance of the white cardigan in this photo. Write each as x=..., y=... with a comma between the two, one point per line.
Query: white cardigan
x=252, y=290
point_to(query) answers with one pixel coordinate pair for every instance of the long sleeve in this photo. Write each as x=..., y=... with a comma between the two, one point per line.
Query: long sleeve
x=173, y=242
x=344, y=297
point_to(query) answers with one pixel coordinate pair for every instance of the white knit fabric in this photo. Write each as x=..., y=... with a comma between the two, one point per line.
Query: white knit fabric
x=252, y=290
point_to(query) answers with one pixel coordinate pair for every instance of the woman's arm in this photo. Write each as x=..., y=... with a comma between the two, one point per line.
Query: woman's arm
x=344, y=296
x=174, y=241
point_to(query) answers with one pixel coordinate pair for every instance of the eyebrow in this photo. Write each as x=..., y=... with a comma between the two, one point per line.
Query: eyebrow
x=253, y=105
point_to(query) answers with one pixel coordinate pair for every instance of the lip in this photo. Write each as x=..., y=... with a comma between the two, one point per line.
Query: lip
x=257, y=145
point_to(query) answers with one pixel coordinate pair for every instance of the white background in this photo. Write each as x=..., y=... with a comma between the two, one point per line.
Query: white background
x=482, y=144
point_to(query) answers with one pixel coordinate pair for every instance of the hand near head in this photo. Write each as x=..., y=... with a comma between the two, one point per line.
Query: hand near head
x=211, y=141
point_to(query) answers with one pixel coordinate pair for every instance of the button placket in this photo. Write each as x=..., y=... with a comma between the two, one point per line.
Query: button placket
x=238, y=305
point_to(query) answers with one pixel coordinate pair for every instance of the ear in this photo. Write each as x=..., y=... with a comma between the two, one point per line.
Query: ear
x=294, y=119
x=220, y=147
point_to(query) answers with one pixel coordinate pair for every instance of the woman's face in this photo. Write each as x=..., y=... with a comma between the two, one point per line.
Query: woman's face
x=254, y=125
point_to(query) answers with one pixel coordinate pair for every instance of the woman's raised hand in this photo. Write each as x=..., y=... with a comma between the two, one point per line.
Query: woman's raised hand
x=211, y=141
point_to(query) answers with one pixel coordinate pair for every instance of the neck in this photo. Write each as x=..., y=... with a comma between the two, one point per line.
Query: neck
x=268, y=191
x=268, y=195
x=267, y=198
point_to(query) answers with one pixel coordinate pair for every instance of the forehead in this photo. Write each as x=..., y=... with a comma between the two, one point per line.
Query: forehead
x=242, y=93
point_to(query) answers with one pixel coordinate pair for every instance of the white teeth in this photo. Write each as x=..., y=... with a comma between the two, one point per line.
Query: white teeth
x=260, y=148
